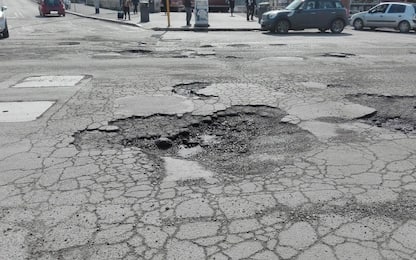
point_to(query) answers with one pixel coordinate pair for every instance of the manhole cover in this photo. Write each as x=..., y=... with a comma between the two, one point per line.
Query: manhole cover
x=23, y=111
x=49, y=81
x=393, y=112
x=240, y=140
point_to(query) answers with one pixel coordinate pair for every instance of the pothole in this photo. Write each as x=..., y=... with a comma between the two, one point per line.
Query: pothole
x=241, y=140
x=338, y=54
x=190, y=89
x=337, y=85
x=238, y=45
x=69, y=43
x=393, y=112
x=135, y=51
x=207, y=46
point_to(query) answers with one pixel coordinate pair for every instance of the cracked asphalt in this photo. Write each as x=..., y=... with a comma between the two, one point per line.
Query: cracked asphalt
x=70, y=189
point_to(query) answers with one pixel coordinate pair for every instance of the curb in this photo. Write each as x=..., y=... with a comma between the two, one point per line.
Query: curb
x=105, y=19
x=167, y=29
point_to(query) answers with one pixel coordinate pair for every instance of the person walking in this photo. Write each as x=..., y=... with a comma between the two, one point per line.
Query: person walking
x=232, y=5
x=188, y=9
x=126, y=8
x=135, y=4
x=250, y=5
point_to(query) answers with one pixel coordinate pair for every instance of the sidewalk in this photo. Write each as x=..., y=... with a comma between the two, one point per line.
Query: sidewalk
x=159, y=21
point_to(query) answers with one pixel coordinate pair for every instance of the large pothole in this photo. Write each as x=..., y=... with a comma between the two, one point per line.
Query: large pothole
x=393, y=112
x=241, y=140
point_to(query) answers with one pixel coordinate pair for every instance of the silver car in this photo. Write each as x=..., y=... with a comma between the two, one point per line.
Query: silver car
x=400, y=16
x=4, y=30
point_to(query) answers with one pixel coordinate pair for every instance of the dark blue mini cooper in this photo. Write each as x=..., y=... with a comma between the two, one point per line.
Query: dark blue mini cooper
x=304, y=14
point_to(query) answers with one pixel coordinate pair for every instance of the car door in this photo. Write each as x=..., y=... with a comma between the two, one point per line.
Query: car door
x=305, y=16
x=394, y=15
x=325, y=13
x=375, y=16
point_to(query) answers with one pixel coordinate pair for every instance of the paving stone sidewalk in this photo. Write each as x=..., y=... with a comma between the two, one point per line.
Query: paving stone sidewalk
x=159, y=21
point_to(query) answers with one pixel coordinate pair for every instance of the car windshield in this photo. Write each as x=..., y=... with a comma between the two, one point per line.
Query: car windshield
x=52, y=2
x=294, y=5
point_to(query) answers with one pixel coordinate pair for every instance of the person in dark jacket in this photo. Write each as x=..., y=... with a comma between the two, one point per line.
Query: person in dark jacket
x=250, y=5
x=135, y=4
x=188, y=9
x=232, y=5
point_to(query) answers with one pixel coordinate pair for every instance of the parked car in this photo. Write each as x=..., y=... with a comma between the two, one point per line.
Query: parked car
x=400, y=16
x=4, y=30
x=304, y=14
x=51, y=7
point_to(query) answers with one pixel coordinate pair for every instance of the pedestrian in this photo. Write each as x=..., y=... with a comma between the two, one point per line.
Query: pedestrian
x=97, y=6
x=250, y=5
x=232, y=5
x=135, y=4
x=165, y=5
x=126, y=8
x=188, y=9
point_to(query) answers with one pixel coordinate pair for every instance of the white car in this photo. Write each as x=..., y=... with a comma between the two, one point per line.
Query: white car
x=4, y=31
x=397, y=15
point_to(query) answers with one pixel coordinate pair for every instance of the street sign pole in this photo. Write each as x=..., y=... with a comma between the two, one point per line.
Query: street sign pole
x=168, y=11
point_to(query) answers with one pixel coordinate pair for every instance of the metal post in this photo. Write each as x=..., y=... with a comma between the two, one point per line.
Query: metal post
x=168, y=11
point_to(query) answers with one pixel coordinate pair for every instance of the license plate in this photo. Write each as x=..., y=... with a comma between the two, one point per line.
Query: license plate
x=54, y=12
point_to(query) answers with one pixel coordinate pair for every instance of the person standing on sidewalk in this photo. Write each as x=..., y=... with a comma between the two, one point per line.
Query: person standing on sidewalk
x=135, y=4
x=126, y=8
x=232, y=5
x=250, y=5
x=188, y=9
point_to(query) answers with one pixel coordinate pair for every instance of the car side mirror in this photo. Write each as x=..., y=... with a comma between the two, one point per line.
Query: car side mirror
x=3, y=8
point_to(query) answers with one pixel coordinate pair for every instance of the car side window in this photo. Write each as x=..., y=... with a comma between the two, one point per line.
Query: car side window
x=325, y=4
x=395, y=8
x=379, y=9
x=310, y=5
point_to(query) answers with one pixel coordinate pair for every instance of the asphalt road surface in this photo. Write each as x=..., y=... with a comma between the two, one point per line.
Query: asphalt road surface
x=123, y=143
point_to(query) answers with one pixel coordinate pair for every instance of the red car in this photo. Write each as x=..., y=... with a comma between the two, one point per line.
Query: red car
x=51, y=7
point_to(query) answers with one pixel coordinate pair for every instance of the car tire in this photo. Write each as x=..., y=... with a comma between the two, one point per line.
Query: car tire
x=404, y=27
x=322, y=30
x=6, y=32
x=358, y=24
x=373, y=28
x=337, y=26
x=282, y=27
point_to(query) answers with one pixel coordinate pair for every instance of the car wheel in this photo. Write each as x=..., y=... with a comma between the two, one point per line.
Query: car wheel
x=404, y=27
x=373, y=28
x=282, y=27
x=358, y=24
x=6, y=32
x=322, y=30
x=337, y=26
